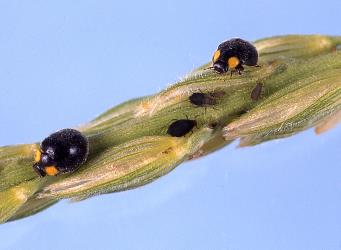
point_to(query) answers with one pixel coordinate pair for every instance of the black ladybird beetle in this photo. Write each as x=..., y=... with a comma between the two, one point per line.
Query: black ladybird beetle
x=181, y=127
x=233, y=54
x=205, y=100
x=61, y=152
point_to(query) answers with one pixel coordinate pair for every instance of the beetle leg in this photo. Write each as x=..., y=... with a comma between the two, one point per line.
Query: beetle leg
x=39, y=169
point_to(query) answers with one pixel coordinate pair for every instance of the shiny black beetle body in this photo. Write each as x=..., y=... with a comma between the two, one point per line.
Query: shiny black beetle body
x=61, y=152
x=233, y=54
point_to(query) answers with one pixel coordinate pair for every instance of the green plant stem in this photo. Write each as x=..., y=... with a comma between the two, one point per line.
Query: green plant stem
x=129, y=144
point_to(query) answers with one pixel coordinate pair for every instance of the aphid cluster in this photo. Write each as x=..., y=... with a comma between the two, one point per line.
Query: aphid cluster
x=233, y=54
x=61, y=152
x=183, y=126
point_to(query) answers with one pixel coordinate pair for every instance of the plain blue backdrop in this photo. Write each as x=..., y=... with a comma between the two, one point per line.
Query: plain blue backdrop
x=64, y=62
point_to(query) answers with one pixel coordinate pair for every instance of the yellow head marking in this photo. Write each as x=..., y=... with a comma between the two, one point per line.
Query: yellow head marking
x=37, y=156
x=216, y=55
x=233, y=62
x=51, y=170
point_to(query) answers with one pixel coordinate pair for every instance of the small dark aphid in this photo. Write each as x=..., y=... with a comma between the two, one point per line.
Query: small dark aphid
x=202, y=100
x=205, y=100
x=61, y=152
x=181, y=127
x=233, y=54
x=256, y=92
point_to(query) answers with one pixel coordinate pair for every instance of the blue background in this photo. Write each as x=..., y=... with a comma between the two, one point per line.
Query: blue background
x=62, y=63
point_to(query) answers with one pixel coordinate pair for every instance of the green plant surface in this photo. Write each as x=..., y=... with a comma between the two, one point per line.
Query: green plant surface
x=129, y=145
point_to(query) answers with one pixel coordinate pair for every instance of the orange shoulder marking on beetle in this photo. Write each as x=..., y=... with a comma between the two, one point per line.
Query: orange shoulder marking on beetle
x=216, y=55
x=233, y=62
x=37, y=155
x=51, y=170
